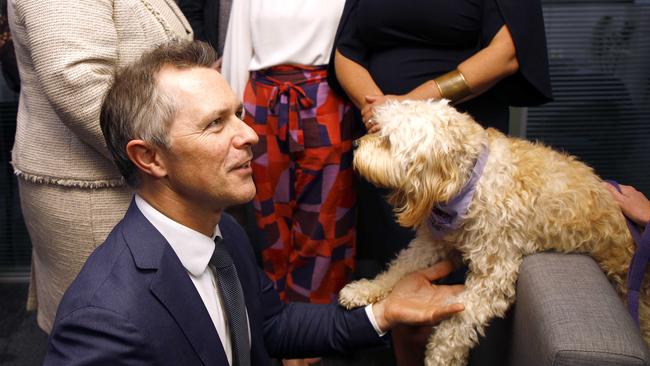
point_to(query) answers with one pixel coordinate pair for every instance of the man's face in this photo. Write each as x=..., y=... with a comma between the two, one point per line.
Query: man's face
x=208, y=162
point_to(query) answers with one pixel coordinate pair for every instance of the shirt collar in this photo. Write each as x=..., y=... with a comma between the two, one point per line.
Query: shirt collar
x=192, y=248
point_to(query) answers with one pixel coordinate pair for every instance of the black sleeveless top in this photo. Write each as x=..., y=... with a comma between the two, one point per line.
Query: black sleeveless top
x=407, y=42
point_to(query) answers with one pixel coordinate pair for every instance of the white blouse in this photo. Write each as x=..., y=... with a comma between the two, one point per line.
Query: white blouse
x=265, y=33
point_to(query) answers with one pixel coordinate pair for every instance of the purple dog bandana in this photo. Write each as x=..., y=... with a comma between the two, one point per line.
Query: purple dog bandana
x=447, y=217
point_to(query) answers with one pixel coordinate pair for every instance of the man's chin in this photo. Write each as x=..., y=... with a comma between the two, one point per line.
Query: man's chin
x=246, y=197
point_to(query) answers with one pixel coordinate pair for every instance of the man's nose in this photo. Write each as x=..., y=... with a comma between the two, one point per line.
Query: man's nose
x=246, y=135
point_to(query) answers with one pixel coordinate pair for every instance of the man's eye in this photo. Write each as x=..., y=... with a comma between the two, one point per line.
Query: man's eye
x=240, y=113
x=215, y=123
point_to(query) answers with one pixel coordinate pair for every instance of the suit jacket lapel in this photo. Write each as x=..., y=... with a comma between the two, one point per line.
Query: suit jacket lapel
x=172, y=286
x=175, y=290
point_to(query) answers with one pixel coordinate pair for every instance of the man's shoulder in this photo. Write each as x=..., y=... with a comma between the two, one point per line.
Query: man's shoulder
x=106, y=279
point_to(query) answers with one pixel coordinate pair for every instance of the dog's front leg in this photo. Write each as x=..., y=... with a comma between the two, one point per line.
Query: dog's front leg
x=489, y=291
x=422, y=252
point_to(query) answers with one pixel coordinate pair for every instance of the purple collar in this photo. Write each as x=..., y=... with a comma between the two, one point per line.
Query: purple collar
x=447, y=217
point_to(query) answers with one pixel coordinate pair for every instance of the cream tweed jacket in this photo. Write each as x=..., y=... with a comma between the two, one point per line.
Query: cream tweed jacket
x=67, y=51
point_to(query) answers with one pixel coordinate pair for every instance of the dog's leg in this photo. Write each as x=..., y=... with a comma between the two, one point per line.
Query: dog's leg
x=489, y=291
x=422, y=252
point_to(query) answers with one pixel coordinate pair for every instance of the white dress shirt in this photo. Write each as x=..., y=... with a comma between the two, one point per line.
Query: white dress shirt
x=265, y=33
x=194, y=251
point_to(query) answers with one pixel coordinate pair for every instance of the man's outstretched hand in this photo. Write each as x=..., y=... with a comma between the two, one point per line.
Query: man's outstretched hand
x=416, y=301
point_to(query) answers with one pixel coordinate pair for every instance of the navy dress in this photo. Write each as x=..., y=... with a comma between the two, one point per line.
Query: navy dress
x=405, y=43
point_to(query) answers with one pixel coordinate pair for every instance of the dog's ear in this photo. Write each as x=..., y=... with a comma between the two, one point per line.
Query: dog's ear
x=429, y=180
x=372, y=160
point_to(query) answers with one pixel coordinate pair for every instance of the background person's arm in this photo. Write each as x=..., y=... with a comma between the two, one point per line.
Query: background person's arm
x=633, y=203
x=355, y=80
x=481, y=71
x=73, y=47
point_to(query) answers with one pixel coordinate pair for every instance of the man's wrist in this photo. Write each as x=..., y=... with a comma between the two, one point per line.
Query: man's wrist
x=376, y=314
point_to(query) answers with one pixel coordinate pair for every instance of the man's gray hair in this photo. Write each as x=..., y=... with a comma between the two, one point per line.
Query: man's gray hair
x=135, y=108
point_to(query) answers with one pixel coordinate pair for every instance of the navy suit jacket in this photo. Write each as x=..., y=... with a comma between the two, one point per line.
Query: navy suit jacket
x=133, y=303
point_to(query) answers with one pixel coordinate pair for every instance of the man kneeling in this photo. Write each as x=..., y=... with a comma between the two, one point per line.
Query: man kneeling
x=176, y=282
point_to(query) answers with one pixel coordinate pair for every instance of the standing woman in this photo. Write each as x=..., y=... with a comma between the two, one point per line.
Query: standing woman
x=71, y=193
x=276, y=58
x=483, y=55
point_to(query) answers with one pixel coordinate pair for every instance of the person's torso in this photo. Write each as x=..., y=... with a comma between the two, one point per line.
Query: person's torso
x=293, y=32
x=417, y=40
x=413, y=41
x=46, y=146
x=137, y=275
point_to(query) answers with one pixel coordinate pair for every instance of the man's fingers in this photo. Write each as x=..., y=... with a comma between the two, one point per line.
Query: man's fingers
x=451, y=309
x=450, y=294
x=438, y=270
x=444, y=312
x=456, y=289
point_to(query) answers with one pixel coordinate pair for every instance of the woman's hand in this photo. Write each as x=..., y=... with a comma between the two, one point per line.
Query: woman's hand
x=368, y=110
x=426, y=90
x=633, y=203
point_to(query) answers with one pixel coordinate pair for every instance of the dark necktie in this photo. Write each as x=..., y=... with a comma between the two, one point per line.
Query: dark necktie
x=233, y=302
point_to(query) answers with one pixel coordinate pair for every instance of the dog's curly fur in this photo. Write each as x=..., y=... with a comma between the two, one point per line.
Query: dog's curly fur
x=528, y=199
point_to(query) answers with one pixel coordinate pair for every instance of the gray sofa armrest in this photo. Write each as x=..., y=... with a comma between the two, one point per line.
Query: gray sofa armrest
x=567, y=313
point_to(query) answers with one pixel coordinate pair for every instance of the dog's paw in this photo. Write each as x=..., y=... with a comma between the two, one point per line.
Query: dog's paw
x=360, y=293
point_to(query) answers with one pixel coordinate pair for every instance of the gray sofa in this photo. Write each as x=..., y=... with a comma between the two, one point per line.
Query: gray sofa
x=566, y=313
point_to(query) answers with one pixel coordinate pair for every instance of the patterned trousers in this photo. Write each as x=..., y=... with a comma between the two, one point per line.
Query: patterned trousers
x=302, y=168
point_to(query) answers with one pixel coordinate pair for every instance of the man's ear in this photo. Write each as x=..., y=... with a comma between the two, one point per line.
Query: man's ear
x=147, y=158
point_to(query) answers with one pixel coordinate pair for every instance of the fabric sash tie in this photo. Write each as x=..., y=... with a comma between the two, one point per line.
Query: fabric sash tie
x=288, y=98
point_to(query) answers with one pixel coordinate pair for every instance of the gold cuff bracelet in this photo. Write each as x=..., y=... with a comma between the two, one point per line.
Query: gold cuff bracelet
x=452, y=86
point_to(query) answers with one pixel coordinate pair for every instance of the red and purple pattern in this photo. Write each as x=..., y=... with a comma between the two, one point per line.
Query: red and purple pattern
x=302, y=168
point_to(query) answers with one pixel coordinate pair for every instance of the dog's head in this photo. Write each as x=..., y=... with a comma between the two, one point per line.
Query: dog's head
x=424, y=153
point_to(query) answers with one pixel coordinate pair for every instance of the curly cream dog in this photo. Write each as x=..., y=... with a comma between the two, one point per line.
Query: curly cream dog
x=527, y=199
